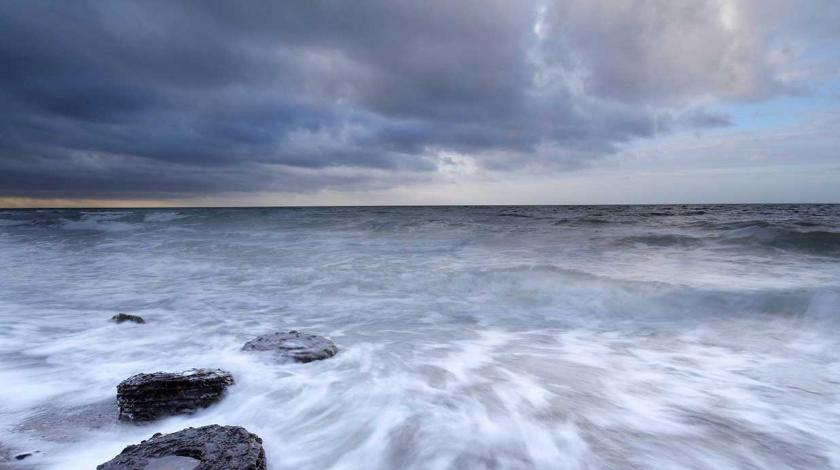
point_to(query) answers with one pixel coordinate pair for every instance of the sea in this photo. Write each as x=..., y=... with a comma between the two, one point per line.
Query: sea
x=499, y=337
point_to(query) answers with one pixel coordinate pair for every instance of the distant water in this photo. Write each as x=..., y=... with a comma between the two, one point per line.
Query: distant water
x=642, y=337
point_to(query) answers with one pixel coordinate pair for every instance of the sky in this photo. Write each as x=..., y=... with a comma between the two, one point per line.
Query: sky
x=217, y=103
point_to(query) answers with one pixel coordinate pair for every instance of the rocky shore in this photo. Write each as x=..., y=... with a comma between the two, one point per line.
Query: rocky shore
x=149, y=396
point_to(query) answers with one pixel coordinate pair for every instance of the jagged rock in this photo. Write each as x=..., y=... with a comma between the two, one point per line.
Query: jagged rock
x=211, y=447
x=145, y=397
x=124, y=317
x=301, y=347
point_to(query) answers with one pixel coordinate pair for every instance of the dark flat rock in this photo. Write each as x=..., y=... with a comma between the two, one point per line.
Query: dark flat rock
x=211, y=447
x=26, y=455
x=124, y=317
x=300, y=347
x=146, y=397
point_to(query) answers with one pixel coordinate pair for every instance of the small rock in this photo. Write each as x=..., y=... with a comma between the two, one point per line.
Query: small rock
x=300, y=347
x=211, y=447
x=26, y=455
x=145, y=397
x=123, y=317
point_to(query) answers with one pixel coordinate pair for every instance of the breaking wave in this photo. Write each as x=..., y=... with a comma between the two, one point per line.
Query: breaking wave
x=816, y=242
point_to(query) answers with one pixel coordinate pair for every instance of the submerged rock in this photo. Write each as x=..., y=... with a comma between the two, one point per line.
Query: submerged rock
x=145, y=397
x=124, y=317
x=300, y=347
x=5, y=454
x=61, y=423
x=211, y=447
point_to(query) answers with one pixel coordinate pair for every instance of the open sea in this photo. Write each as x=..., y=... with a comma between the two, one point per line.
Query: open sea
x=557, y=337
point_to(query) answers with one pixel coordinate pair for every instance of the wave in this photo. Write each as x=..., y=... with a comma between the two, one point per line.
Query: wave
x=762, y=235
x=565, y=297
x=665, y=240
x=815, y=242
x=163, y=216
x=99, y=221
x=585, y=221
x=678, y=213
x=11, y=222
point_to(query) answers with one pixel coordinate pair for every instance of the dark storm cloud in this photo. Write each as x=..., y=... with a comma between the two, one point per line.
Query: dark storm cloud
x=172, y=99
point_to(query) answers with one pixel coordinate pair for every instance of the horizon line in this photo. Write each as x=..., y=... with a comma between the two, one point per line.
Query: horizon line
x=419, y=206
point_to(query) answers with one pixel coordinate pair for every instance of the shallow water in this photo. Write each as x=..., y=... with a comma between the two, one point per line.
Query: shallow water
x=679, y=337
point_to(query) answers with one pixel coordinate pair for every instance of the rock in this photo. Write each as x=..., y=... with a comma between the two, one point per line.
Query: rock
x=26, y=455
x=145, y=397
x=211, y=447
x=124, y=317
x=300, y=347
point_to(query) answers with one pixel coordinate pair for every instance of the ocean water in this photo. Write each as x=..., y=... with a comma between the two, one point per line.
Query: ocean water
x=615, y=337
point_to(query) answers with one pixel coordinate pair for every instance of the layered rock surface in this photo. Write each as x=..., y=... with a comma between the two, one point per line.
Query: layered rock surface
x=145, y=397
x=206, y=448
x=294, y=345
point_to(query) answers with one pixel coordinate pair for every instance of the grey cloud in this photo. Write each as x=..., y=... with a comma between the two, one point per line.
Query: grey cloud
x=172, y=99
x=665, y=52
